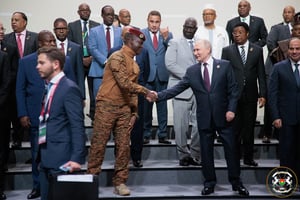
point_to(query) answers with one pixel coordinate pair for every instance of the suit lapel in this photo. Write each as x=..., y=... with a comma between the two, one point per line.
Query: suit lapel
x=214, y=77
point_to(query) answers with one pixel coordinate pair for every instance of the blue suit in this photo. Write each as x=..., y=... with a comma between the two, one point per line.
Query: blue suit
x=284, y=102
x=74, y=51
x=30, y=89
x=97, y=47
x=65, y=135
x=211, y=110
x=157, y=81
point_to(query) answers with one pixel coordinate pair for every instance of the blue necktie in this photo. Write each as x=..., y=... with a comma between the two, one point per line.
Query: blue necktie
x=296, y=73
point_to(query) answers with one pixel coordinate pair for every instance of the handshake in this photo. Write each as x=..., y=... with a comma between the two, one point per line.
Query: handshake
x=151, y=96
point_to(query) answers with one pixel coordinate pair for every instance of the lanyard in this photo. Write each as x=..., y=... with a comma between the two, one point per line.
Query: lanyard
x=47, y=105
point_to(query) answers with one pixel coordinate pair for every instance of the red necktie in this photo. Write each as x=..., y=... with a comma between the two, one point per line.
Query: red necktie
x=155, y=41
x=108, y=39
x=62, y=47
x=19, y=43
x=206, y=77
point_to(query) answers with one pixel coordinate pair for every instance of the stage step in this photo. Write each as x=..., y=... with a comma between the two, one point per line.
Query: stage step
x=173, y=191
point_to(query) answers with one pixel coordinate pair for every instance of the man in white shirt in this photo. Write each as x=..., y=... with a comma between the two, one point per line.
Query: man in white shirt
x=217, y=35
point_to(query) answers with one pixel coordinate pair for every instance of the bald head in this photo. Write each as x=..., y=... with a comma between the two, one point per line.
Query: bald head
x=124, y=17
x=244, y=8
x=46, y=39
x=288, y=14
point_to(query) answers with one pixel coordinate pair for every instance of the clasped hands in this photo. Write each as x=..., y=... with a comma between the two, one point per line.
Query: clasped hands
x=151, y=96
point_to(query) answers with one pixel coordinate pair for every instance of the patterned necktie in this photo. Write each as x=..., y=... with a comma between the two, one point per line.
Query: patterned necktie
x=108, y=39
x=243, y=54
x=84, y=33
x=206, y=77
x=296, y=73
x=19, y=43
x=155, y=41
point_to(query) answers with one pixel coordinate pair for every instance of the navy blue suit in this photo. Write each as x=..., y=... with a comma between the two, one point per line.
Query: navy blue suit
x=284, y=102
x=30, y=89
x=211, y=111
x=65, y=135
x=157, y=81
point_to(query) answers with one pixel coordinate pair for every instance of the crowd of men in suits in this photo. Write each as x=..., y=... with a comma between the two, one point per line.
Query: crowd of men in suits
x=163, y=63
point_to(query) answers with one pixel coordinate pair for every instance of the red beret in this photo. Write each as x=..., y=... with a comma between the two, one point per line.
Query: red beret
x=137, y=32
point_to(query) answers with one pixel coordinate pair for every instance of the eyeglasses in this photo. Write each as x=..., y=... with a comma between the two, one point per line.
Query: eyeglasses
x=2, y=29
x=60, y=29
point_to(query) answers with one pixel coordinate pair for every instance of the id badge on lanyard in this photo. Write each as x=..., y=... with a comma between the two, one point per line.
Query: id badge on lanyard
x=44, y=116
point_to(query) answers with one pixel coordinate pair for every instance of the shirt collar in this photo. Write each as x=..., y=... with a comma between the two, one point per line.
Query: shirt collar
x=57, y=77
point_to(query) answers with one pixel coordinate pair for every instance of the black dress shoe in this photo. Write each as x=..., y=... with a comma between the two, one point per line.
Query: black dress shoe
x=164, y=141
x=2, y=196
x=251, y=163
x=241, y=190
x=16, y=145
x=184, y=162
x=266, y=140
x=194, y=161
x=35, y=193
x=207, y=190
x=146, y=141
x=137, y=163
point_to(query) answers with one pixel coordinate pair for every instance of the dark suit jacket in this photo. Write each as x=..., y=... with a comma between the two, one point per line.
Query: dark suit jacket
x=248, y=74
x=257, y=34
x=13, y=55
x=214, y=104
x=31, y=42
x=65, y=127
x=75, y=30
x=277, y=33
x=4, y=83
x=30, y=88
x=74, y=51
x=284, y=95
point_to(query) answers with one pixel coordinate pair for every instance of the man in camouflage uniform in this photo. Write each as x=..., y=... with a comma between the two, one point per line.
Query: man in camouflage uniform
x=116, y=109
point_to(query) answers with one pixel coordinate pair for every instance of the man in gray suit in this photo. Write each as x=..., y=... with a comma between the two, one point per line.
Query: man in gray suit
x=179, y=56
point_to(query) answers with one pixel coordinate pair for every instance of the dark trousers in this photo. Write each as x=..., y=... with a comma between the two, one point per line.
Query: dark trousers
x=207, y=155
x=162, y=111
x=91, y=95
x=34, y=136
x=45, y=176
x=136, y=136
x=4, y=148
x=244, y=126
x=289, y=147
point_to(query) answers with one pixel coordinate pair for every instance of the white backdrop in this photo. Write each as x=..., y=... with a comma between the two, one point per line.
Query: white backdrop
x=41, y=14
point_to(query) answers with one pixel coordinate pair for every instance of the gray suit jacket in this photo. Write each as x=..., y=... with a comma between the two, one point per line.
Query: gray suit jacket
x=178, y=58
